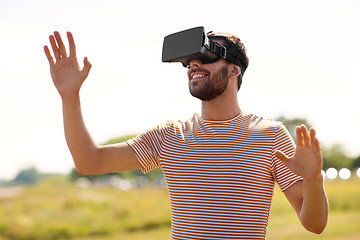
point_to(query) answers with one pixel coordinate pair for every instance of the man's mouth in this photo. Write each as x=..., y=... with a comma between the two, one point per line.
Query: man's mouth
x=197, y=76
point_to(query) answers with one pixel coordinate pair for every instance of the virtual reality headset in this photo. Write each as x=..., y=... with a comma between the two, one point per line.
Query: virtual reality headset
x=193, y=43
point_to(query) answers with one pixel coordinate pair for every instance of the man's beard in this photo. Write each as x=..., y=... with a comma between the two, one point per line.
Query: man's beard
x=211, y=87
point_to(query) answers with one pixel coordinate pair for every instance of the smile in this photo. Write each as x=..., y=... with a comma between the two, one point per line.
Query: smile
x=197, y=76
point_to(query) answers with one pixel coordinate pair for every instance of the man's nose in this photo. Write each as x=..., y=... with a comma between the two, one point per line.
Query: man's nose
x=195, y=63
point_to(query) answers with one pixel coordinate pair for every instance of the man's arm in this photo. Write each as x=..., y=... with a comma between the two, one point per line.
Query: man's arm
x=310, y=203
x=89, y=157
x=307, y=197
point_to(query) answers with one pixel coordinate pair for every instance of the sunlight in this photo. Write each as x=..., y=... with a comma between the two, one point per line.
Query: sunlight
x=331, y=173
x=344, y=173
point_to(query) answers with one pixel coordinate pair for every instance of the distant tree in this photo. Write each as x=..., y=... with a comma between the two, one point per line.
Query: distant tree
x=28, y=176
x=292, y=123
x=356, y=163
x=336, y=157
x=75, y=175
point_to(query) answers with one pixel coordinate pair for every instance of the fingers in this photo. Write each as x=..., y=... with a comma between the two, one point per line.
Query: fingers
x=87, y=64
x=60, y=43
x=58, y=46
x=303, y=136
x=306, y=134
x=281, y=156
x=312, y=133
x=86, y=69
x=54, y=47
x=316, y=146
x=313, y=138
x=315, y=143
x=48, y=55
x=299, y=136
x=71, y=44
x=307, y=138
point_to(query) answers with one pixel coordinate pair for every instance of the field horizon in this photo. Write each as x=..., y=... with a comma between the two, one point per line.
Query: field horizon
x=57, y=209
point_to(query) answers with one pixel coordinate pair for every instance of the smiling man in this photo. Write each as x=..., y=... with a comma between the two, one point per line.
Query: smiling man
x=221, y=165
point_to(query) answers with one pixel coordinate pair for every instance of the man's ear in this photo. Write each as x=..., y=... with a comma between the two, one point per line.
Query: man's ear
x=235, y=70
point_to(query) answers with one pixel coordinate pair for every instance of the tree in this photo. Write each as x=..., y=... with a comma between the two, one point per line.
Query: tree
x=336, y=157
x=28, y=176
x=356, y=163
x=292, y=123
x=75, y=175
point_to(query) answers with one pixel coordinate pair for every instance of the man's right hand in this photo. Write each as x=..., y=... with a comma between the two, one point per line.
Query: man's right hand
x=65, y=71
x=89, y=157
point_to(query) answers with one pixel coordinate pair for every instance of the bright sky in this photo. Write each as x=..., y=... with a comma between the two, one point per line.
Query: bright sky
x=304, y=62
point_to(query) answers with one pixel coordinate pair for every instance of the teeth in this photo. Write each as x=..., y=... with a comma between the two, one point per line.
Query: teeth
x=198, y=76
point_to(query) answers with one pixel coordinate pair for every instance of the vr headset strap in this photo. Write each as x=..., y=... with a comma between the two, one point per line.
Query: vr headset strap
x=222, y=52
x=217, y=49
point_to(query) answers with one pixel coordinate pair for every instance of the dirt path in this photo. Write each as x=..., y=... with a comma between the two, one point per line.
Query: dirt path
x=10, y=192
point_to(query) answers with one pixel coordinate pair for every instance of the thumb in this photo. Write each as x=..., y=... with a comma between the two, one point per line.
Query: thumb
x=282, y=157
x=87, y=66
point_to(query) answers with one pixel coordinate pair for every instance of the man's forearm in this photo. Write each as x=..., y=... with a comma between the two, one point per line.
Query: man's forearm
x=314, y=211
x=82, y=147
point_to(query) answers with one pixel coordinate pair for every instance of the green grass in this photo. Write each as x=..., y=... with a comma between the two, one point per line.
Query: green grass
x=55, y=209
x=58, y=210
x=343, y=223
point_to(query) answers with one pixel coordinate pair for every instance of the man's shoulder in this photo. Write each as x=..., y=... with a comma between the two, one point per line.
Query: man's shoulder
x=179, y=123
x=258, y=123
x=246, y=119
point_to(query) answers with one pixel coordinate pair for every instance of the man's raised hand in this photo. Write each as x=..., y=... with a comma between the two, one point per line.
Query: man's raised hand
x=65, y=71
x=307, y=160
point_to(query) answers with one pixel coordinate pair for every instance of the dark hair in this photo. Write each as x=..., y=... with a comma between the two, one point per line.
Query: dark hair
x=235, y=47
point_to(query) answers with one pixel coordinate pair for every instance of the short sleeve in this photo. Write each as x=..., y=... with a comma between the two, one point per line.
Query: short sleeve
x=284, y=143
x=147, y=147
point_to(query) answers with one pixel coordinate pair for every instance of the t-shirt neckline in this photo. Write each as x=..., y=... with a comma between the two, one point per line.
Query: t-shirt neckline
x=219, y=121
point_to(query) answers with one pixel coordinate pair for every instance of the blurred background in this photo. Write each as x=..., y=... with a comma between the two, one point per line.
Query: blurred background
x=304, y=62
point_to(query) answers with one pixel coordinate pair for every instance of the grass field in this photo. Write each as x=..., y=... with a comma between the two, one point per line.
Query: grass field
x=55, y=209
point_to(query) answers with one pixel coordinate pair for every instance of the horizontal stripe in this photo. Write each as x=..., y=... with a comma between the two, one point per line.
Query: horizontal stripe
x=220, y=174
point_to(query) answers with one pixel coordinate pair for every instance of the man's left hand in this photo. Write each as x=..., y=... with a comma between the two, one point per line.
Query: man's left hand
x=307, y=160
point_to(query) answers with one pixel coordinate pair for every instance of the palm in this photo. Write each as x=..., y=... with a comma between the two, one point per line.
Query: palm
x=65, y=72
x=307, y=160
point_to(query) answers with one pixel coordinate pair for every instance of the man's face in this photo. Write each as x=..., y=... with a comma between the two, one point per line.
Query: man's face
x=207, y=81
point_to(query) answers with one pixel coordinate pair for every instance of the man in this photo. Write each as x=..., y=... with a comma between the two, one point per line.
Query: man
x=220, y=166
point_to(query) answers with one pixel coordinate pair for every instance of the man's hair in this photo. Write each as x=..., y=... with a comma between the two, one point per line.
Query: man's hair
x=235, y=48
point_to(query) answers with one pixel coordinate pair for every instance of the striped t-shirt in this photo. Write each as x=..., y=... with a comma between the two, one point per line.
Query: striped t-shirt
x=220, y=174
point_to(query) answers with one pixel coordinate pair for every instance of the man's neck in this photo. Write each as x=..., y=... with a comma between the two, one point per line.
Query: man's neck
x=223, y=107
